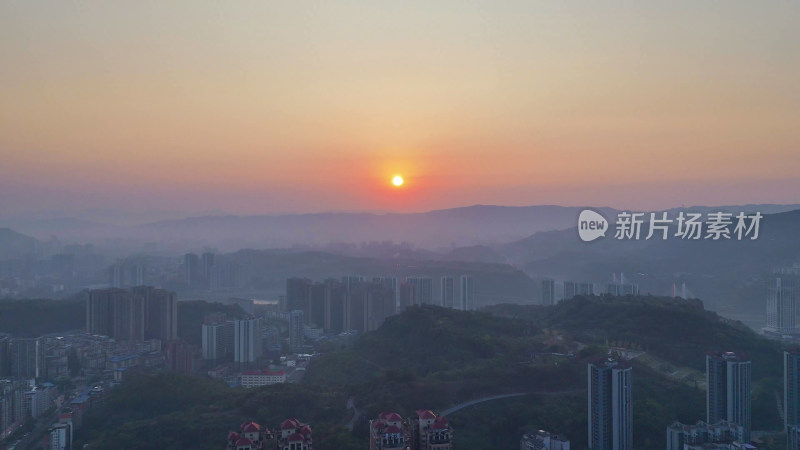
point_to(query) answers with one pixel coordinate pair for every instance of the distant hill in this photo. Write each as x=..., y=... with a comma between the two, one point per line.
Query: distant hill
x=15, y=245
x=440, y=230
x=680, y=331
x=470, y=225
x=727, y=274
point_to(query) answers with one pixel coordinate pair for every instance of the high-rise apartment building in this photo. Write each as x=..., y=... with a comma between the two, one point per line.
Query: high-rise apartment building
x=213, y=337
x=424, y=289
x=296, y=324
x=781, y=306
x=247, y=340
x=298, y=294
x=548, y=291
x=728, y=392
x=791, y=396
x=610, y=405
x=140, y=313
x=5, y=355
x=26, y=358
x=160, y=313
x=467, y=293
x=390, y=283
x=191, y=269
x=448, y=292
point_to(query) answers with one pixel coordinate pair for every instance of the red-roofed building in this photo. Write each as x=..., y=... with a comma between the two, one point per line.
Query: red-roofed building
x=295, y=435
x=252, y=437
x=390, y=432
x=432, y=432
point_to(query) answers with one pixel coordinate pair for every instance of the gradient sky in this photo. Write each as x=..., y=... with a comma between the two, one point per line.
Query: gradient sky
x=266, y=107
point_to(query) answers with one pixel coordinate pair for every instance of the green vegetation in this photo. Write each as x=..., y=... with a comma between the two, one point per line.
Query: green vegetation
x=171, y=411
x=35, y=317
x=679, y=331
x=430, y=357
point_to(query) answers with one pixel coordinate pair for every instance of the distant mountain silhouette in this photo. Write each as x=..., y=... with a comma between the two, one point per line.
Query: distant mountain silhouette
x=441, y=230
x=15, y=245
x=729, y=275
x=479, y=224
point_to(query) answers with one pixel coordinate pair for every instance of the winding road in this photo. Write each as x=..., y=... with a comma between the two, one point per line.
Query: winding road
x=463, y=405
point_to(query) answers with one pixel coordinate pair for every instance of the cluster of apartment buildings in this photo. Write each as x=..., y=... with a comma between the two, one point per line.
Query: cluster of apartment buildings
x=290, y=435
x=355, y=303
x=141, y=314
x=22, y=399
x=238, y=340
x=134, y=314
x=728, y=410
x=60, y=434
x=542, y=440
x=210, y=271
x=26, y=365
x=426, y=431
x=390, y=431
x=553, y=291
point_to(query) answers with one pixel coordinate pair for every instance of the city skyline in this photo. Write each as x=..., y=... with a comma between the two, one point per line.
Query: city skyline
x=256, y=109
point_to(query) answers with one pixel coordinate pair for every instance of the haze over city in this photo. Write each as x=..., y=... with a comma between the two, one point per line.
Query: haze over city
x=399, y=225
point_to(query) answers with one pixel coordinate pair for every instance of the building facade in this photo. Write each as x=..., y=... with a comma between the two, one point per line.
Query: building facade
x=610, y=405
x=247, y=340
x=728, y=393
x=680, y=435
x=467, y=293
x=781, y=306
x=542, y=440
x=390, y=431
x=432, y=432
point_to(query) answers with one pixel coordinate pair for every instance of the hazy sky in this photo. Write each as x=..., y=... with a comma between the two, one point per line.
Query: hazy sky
x=260, y=107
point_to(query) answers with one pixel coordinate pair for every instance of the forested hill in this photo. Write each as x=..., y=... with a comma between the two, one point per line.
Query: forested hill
x=679, y=330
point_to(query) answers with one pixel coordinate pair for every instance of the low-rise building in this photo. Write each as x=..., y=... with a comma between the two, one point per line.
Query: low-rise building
x=295, y=435
x=390, y=431
x=681, y=436
x=542, y=440
x=255, y=378
x=251, y=436
x=432, y=432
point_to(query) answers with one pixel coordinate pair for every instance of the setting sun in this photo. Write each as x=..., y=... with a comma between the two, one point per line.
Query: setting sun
x=397, y=181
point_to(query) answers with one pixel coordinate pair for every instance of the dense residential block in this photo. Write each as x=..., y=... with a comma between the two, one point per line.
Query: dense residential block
x=542, y=440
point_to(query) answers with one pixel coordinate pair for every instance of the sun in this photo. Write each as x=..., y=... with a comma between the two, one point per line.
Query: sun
x=397, y=180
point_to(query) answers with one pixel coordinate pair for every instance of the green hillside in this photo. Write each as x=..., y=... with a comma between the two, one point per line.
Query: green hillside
x=430, y=357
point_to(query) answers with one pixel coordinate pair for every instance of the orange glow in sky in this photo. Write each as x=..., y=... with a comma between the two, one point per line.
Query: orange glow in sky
x=275, y=107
